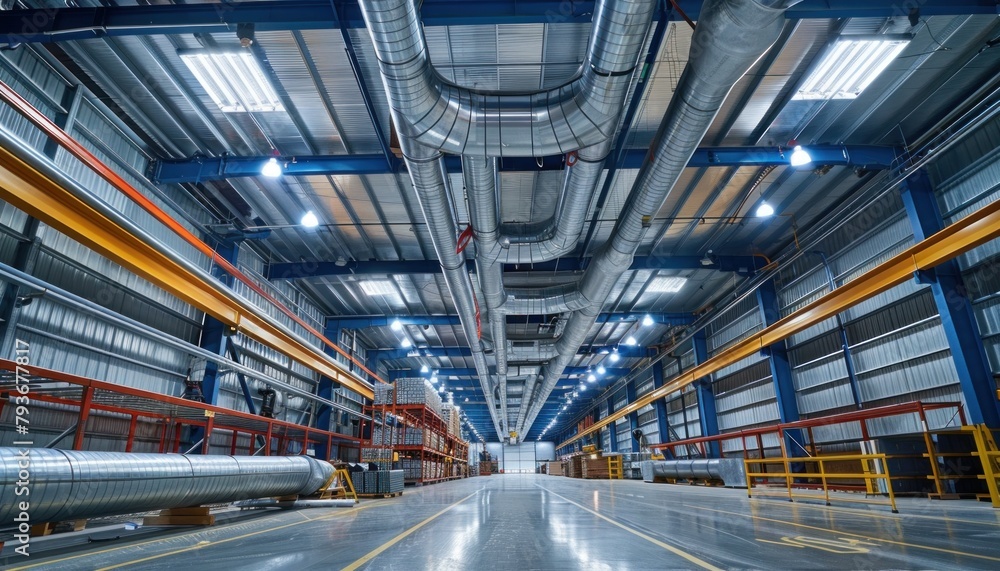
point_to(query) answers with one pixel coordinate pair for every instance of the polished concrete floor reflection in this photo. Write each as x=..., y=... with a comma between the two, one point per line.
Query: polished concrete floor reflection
x=524, y=522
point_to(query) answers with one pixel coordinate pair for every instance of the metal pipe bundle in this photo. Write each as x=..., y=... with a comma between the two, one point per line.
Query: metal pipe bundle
x=66, y=485
x=731, y=471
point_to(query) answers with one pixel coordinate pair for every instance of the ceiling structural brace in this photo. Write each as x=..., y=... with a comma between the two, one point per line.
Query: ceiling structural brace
x=730, y=36
x=432, y=117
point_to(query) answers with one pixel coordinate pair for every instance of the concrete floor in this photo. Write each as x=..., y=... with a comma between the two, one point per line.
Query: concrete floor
x=524, y=522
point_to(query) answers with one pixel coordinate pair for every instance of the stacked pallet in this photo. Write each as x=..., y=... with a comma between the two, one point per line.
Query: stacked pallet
x=595, y=469
x=556, y=468
x=384, y=393
x=452, y=420
x=575, y=467
x=417, y=391
x=380, y=456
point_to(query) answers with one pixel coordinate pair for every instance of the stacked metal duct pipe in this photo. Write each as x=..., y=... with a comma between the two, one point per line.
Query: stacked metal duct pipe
x=66, y=485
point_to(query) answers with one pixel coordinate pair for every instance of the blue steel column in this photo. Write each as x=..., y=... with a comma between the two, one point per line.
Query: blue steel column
x=613, y=427
x=660, y=404
x=326, y=384
x=781, y=370
x=213, y=332
x=633, y=417
x=957, y=317
x=707, y=415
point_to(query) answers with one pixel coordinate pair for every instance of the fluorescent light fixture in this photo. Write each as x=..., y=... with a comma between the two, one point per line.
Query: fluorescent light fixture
x=309, y=220
x=377, y=287
x=601, y=370
x=647, y=320
x=272, y=169
x=424, y=369
x=800, y=157
x=849, y=65
x=630, y=341
x=406, y=343
x=614, y=357
x=591, y=379
x=666, y=284
x=764, y=210
x=233, y=79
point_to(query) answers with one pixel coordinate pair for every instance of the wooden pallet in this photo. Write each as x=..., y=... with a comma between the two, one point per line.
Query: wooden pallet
x=182, y=516
x=392, y=495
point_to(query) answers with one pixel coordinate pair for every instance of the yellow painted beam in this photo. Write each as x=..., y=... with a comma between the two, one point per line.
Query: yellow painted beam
x=31, y=191
x=972, y=231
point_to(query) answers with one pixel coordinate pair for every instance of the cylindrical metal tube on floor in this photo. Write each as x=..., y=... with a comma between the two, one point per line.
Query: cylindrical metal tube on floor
x=66, y=485
x=731, y=471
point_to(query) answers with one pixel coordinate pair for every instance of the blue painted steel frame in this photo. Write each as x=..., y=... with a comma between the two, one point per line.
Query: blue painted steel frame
x=203, y=169
x=213, y=335
x=384, y=354
x=957, y=317
x=613, y=427
x=662, y=419
x=326, y=386
x=708, y=415
x=363, y=321
x=781, y=370
x=50, y=24
x=745, y=265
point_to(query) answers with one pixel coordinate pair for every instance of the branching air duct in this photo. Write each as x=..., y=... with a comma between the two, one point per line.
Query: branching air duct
x=457, y=120
x=730, y=36
x=67, y=485
x=432, y=115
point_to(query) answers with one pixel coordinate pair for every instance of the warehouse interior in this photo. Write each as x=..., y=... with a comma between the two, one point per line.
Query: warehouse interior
x=529, y=284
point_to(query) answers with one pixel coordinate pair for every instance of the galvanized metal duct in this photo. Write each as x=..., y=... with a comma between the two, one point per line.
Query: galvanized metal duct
x=559, y=235
x=457, y=120
x=730, y=36
x=430, y=182
x=732, y=471
x=480, y=184
x=67, y=485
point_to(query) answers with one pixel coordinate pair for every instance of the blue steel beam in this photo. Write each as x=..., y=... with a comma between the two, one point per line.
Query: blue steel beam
x=383, y=354
x=662, y=420
x=296, y=270
x=364, y=321
x=708, y=415
x=52, y=24
x=202, y=169
x=469, y=372
x=957, y=317
x=781, y=369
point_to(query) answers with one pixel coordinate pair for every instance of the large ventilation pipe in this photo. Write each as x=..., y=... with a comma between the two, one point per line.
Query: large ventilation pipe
x=458, y=120
x=730, y=36
x=430, y=181
x=432, y=115
x=68, y=485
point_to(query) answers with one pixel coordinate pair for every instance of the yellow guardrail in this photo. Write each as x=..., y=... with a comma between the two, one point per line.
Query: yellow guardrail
x=874, y=467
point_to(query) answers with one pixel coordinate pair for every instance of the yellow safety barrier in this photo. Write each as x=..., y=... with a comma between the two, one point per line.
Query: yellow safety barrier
x=988, y=453
x=874, y=467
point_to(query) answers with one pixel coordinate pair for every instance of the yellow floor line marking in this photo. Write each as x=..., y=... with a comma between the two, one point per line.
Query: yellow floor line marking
x=198, y=545
x=699, y=562
x=839, y=532
x=378, y=550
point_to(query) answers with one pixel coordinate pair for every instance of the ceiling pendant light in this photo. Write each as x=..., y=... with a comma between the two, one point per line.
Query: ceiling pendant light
x=271, y=169
x=764, y=210
x=309, y=220
x=630, y=341
x=800, y=157
x=647, y=320
x=614, y=356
